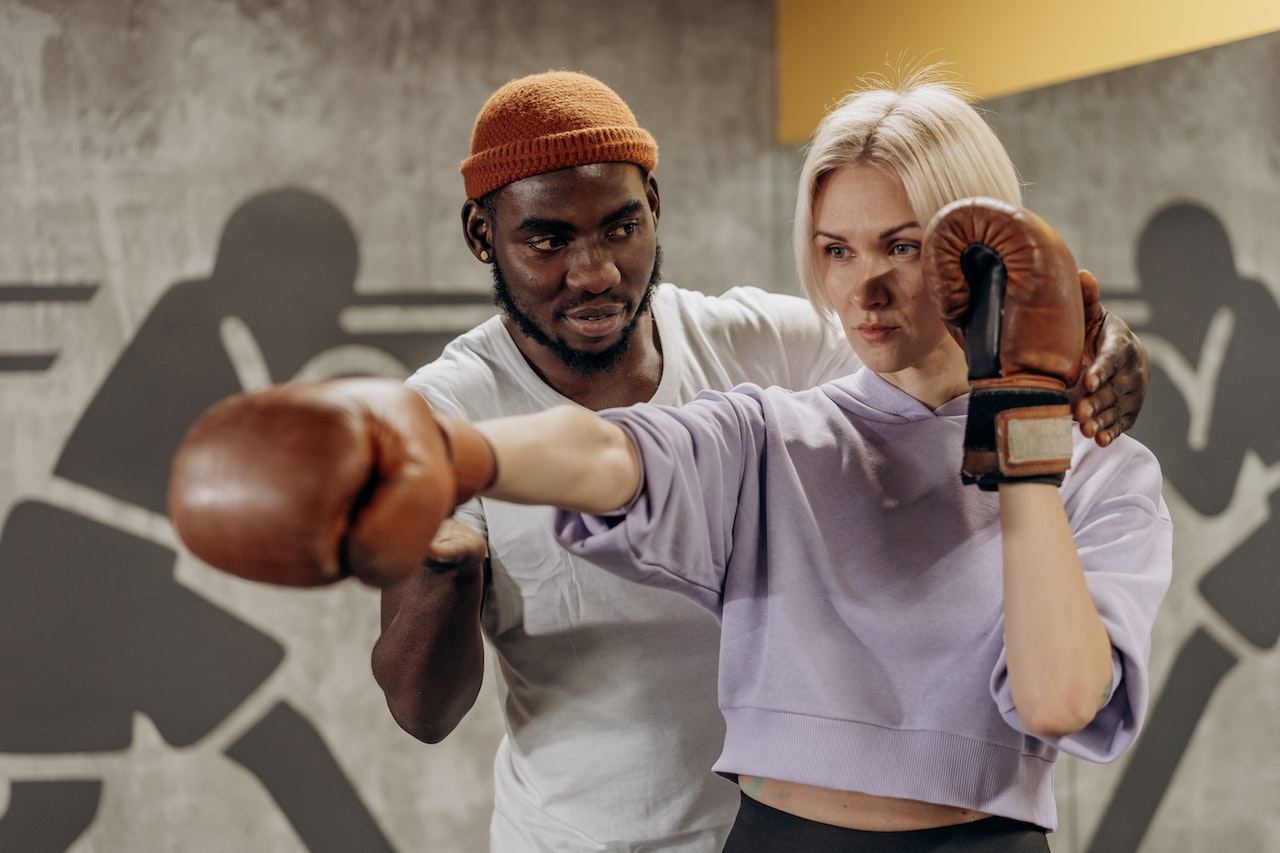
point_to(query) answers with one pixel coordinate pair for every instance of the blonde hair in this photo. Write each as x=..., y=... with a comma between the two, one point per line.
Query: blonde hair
x=926, y=131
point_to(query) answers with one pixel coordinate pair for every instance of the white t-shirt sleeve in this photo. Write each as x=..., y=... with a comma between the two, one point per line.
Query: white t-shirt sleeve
x=766, y=339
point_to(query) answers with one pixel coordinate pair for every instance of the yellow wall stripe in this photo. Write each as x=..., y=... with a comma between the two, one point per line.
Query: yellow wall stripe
x=997, y=47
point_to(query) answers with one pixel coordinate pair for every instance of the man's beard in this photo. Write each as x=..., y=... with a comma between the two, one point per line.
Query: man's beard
x=579, y=361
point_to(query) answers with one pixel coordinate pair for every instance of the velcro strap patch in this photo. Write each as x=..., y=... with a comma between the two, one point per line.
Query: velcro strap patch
x=1034, y=440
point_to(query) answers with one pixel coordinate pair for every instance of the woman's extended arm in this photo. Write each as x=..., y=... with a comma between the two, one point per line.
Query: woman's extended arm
x=1058, y=652
x=566, y=456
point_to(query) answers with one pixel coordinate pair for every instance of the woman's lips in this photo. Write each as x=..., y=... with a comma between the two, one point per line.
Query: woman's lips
x=874, y=332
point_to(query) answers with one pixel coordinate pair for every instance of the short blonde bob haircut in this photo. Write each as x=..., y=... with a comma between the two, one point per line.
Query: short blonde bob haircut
x=925, y=131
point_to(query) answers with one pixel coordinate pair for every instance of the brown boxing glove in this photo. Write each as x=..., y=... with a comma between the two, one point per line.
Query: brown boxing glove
x=1009, y=283
x=306, y=483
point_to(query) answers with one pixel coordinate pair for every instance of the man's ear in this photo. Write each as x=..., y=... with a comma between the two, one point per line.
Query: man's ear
x=651, y=192
x=477, y=231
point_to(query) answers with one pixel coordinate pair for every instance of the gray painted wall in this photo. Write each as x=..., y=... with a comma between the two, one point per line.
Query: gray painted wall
x=1165, y=181
x=131, y=137
x=152, y=260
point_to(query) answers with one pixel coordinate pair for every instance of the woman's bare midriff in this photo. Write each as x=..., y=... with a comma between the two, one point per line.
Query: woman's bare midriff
x=851, y=809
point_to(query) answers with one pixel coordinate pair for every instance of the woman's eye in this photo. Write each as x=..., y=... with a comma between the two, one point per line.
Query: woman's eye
x=837, y=252
x=904, y=248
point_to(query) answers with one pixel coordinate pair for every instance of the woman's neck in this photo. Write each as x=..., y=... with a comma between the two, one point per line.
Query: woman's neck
x=938, y=379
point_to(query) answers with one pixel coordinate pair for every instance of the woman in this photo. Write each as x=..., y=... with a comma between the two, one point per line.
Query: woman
x=902, y=655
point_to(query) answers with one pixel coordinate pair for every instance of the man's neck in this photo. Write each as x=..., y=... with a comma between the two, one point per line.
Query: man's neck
x=634, y=379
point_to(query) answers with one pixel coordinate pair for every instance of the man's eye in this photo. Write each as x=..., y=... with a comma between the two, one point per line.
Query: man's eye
x=546, y=244
x=626, y=229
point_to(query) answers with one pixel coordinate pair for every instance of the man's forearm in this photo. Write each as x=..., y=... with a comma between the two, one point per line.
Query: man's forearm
x=429, y=660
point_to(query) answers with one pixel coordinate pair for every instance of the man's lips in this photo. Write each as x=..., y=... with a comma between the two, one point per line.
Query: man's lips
x=596, y=321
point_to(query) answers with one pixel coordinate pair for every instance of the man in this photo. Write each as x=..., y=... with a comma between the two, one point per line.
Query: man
x=608, y=688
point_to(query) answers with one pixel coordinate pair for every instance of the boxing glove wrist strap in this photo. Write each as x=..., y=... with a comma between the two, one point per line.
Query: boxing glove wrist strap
x=1016, y=435
x=473, y=460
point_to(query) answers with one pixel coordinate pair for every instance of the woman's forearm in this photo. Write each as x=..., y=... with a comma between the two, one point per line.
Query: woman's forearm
x=1058, y=651
x=565, y=456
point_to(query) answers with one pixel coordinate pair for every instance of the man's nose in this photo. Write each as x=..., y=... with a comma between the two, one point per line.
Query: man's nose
x=593, y=269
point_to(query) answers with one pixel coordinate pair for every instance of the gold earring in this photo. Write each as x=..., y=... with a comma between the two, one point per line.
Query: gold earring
x=484, y=256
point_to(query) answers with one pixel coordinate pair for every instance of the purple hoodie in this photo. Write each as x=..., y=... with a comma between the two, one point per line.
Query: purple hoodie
x=858, y=585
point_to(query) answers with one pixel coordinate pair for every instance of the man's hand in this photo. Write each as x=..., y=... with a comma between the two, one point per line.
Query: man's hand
x=1109, y=394
x=456, y=548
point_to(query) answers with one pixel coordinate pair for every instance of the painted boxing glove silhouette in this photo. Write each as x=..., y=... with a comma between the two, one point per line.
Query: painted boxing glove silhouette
x=307, y=483
x=1010, y=285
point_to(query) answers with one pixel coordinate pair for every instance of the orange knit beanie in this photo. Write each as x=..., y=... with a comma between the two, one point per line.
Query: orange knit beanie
x=550, y=121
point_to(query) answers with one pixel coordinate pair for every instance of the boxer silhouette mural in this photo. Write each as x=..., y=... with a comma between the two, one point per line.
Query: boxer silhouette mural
x=94, y=623
x=1211, y=409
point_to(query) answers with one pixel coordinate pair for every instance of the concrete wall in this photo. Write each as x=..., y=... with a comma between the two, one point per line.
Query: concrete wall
x=1165, y=181
x=198, y=197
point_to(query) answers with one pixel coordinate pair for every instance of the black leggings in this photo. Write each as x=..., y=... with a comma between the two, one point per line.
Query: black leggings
x=763, y=829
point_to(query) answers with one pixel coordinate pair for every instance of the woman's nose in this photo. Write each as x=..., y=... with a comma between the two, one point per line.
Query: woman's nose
x=871, y=287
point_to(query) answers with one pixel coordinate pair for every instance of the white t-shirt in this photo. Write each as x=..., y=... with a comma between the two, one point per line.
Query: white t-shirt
x=608, y=687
